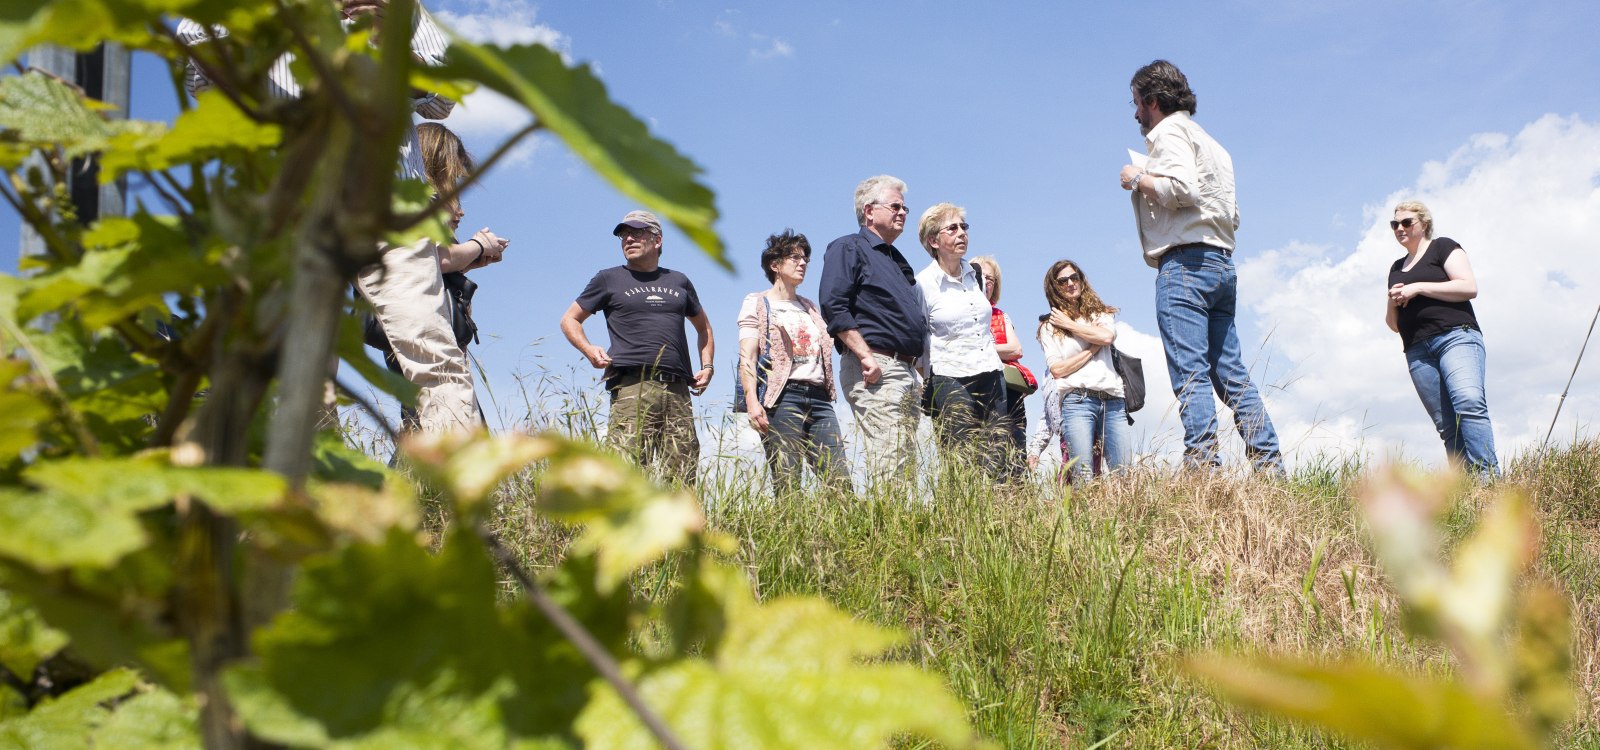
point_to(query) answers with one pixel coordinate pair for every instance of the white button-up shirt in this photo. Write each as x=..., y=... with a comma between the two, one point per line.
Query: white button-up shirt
x=960, y=343
x=1192, y=177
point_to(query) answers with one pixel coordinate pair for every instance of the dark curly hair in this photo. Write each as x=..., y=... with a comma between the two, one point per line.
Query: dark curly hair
x=1163, y=81
x=1087, y=304
x=780, y=246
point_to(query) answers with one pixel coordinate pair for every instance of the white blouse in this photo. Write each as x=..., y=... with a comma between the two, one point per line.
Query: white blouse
x=960, y=343
x=1098, y=374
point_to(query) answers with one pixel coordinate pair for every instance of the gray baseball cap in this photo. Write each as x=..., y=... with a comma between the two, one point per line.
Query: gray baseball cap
x=638, y=220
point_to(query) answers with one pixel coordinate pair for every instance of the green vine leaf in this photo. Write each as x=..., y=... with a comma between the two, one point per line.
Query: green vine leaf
x=628, y=521
x=212, y=127
x=573, y=104
x=40, y=111
x=69, y=720
x=50, y=532
x=21, y=412
x=25, y=639
x=153, y=720
x=787, y=674
x=382, y=635
x=1370, y=704
x=138, y=484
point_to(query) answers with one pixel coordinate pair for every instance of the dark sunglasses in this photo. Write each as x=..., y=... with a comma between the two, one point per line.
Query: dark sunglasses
x=895, y=207
x=1402, y=223
x=961, y=225
x=1063, y=280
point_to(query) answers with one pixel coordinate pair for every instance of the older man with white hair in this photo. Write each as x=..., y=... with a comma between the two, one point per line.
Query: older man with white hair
x=874, y=311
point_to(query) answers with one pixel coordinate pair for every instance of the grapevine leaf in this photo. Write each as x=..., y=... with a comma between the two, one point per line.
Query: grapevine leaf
x=471, y=466
x=12, y=703
x=25, y=639
x=786, y=675
x=51, y=532
x=106, y=627
x=1367, y=703
x=43, y=112
x=114, y=389
x=136, y=484
x=629, y=522
x=572, y=103
x=68, y=721
x=383, y=632
x=154, y=720
x=130, y=264
x=212, y=127
x=20, y=412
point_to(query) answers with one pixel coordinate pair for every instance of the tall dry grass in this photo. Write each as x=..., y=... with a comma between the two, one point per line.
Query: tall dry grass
x=1060, y=615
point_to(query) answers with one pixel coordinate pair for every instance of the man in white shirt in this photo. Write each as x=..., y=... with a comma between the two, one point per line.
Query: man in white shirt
x=1187, y=213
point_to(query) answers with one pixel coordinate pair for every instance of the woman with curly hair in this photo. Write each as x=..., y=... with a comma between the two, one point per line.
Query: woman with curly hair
x=1077, y=340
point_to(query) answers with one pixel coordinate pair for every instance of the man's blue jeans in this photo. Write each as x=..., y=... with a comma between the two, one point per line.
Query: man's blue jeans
x=1197, y=291
x=1087, y=420
x=1448, y=371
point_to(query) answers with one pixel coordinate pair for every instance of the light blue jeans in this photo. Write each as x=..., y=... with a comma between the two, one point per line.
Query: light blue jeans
x=1448, y=371
x=1197, y=290
x=1087, y=420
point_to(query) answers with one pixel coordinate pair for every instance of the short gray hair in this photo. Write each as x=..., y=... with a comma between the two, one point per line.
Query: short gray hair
x=873, y=188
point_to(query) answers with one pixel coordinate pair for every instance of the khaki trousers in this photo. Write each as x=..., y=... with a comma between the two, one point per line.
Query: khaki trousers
x=407, y=293
x=887, y=413
x=653, y=423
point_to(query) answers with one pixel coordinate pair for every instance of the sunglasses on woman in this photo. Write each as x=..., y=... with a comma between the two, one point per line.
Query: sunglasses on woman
x=1402, y=223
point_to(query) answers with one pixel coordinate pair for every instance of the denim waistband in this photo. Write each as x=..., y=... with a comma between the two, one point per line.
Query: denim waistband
x=813, y=390
x=1195, y=246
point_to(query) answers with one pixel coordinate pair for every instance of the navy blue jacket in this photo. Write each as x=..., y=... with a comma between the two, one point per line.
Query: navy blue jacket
x=868, y=285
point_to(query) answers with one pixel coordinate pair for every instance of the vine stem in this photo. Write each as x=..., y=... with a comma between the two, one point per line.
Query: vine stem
x=591, y=649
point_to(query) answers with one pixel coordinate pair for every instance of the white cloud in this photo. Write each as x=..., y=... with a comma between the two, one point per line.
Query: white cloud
x=485, y=117
x=768, y=48
x=1526, y=208
x=762, y=46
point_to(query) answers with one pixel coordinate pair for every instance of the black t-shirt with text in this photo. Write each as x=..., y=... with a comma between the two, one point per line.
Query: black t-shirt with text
x=1425, y=317
x=645, y=313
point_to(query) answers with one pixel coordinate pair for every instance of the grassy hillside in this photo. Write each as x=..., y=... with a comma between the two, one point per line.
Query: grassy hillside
x=1060, y=616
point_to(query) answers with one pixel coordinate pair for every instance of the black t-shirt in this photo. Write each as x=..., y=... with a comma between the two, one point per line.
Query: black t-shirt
x=1425, y=317
x=645, y=312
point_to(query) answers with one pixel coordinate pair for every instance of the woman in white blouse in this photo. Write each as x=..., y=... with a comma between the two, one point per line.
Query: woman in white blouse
x=1077, y=341
x=966, y=388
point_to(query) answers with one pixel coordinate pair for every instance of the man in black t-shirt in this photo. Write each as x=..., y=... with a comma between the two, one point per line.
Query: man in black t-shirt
x=647, y=368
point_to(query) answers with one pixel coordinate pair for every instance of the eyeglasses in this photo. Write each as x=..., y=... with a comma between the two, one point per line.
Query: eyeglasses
x=1065, y=280
x=953, y=228
x=1403, y=223
x=797, y=257
x=631, y=233
x=895, y=207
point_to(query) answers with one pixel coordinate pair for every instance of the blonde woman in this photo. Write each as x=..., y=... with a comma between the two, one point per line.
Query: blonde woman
x=966, y=390
x=1430, y=305
x=1009, y=346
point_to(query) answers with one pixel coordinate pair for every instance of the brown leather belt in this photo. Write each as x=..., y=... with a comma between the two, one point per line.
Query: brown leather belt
x=906, y=358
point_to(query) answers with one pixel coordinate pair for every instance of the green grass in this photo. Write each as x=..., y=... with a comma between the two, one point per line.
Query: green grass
x=1062, y=618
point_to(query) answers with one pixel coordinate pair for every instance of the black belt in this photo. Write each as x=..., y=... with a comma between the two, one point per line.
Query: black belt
x=906, y=358
x=1091, y=393
x=638, y=374
x=815, y=390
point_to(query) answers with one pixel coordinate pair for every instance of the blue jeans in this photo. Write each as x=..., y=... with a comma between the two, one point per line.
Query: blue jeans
x=1197, y=291
x=1448, y=371
x=803, y=430
x=1087, y=420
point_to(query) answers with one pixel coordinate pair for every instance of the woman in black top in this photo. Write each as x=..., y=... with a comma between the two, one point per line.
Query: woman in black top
x=1428, y=305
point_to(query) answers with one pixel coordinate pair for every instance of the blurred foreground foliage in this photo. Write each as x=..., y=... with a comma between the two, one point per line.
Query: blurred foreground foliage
x=185, y=561
x=1511, y=640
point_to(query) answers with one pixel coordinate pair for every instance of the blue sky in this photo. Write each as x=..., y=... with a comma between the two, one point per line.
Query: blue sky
x=1019, y=112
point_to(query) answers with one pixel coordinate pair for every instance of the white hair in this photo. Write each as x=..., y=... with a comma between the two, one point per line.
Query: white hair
x=873, y=188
